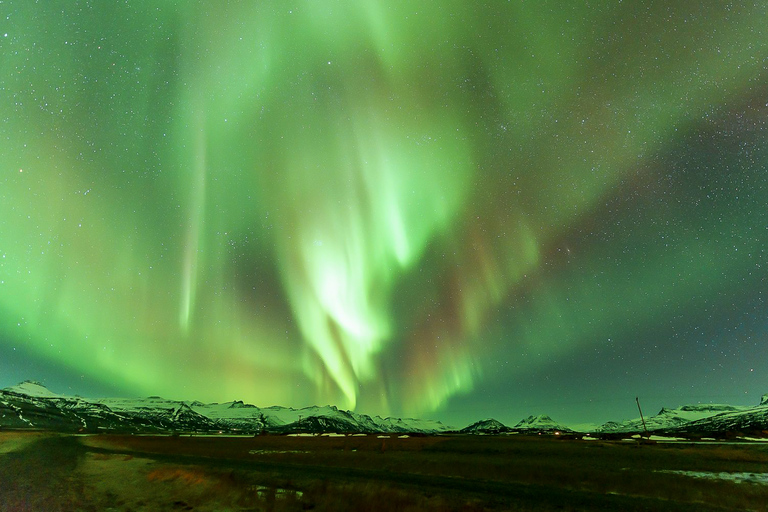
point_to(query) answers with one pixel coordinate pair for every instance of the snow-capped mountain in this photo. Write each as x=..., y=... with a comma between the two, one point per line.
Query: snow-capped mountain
x=532, y=424
x=668, y=419
x=33, y=389
x=540, y=423
x=32, y=405
x=489, y=426
x=698, y=418
x=747, y=420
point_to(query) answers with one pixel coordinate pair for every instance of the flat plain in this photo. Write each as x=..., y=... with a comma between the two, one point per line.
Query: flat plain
x=51, y=472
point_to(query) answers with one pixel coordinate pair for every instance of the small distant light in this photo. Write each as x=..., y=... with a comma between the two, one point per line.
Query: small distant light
x=5, y=35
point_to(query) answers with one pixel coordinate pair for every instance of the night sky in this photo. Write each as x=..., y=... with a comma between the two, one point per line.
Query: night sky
x=450, y=210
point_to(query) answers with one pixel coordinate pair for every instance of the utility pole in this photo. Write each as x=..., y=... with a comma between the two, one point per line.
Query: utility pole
x=637, y=399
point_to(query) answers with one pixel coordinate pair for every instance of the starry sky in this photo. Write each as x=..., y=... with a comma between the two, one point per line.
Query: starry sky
x=450, y=210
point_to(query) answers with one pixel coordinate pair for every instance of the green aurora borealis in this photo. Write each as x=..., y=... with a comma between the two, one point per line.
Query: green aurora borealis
x=438, y=209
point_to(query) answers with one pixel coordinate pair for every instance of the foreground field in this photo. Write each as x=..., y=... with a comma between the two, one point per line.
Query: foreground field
x=467, y=473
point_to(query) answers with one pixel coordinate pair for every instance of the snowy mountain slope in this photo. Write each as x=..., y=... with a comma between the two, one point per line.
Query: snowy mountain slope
x=488, y=426
x=410, y=425
x=752, y=419
x=232, y=415
x=697, y=417
x=540, y=423
x=46, y=410
x=31, y=405
x=669, y=418
x=33, y=389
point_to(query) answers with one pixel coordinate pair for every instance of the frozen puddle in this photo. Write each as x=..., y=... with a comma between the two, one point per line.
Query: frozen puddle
x=739, y=478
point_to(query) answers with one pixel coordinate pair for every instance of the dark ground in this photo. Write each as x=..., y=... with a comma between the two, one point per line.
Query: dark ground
x=467, y=473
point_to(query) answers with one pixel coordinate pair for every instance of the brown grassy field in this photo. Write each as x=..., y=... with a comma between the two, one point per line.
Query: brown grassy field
x=280, y=473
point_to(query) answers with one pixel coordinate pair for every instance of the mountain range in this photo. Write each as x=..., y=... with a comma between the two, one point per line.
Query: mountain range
x=30, y=405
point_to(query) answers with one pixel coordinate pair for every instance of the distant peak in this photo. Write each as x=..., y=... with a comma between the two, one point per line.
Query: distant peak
x=239, y=404
x=32, y=388
x=540, y=422
x=488, y=425
x=764, y=399
x=541, y=418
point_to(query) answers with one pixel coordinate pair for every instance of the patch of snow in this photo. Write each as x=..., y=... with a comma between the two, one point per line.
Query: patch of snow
x=265, y=493
x=587, y=438
x=404, y=436
x=753, y=478
x=666, y=439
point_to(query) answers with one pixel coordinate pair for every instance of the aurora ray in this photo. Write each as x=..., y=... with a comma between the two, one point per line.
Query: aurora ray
x=396, y=208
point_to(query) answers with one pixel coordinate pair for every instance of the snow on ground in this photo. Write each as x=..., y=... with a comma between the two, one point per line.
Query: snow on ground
x=660, y=439
x=753, y=478
x=266, y=493
x=666, y=439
